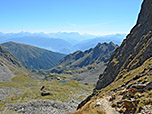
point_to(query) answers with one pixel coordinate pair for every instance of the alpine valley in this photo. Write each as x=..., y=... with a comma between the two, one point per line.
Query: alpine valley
x=56, y=73
x=29, y=84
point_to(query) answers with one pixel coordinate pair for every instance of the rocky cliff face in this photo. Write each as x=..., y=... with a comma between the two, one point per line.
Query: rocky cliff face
x=130, y=65
x=134, y=51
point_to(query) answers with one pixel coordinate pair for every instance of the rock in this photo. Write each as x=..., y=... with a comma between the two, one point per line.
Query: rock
x=114, y=105
x=42, y=107
x=58, y=78
x=98, y=104
x=129, y=104
x=149, y=86
x=119, y=105
x=120, y=102
x=5, y=91
x=123, y=92
x=139, y=95
x=42, y=88
x=112, y=98
x=139, y=86
x=120, y=110
x=45, y=93
x=86, y=84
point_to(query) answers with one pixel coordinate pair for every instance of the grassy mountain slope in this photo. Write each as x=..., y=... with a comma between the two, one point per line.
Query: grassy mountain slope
x=130, y=65
x=33, y=57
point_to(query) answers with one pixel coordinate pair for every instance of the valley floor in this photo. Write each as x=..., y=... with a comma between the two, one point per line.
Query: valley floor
x=26, y=95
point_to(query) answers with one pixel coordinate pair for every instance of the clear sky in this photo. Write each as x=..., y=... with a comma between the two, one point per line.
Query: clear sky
x=83, y=16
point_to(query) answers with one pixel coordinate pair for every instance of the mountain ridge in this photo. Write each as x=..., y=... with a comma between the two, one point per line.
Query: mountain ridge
x=84, y=65
x=32, y=57
x=80, y=59
x=132, y=46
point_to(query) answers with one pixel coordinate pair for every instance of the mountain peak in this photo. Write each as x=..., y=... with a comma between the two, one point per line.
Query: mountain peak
x=99, y=44
x=145, y=15
x=111, y=43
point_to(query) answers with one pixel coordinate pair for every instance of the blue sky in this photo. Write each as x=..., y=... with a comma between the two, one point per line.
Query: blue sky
x=83, y=16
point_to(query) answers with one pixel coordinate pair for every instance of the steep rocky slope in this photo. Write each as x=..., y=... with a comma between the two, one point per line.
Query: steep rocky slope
x=129, y=72
x=8, y=64
x=134, y=50
x=9, y=67
x=33, y=57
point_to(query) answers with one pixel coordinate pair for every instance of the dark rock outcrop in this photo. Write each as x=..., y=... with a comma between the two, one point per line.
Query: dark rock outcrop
x=134, y=51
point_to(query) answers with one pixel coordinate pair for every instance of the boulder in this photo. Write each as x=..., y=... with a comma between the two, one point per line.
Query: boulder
x=42, y=88
x=129, y=104
x=139, y=86
x=149, y=85
x=114, y=105
x=58, y=78
x=45, y=93
x=98, y=104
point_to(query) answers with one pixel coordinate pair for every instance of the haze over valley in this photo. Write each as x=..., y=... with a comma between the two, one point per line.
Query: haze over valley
x=61, y=42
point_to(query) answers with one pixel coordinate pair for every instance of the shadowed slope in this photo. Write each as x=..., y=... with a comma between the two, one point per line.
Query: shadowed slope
x=33, y=57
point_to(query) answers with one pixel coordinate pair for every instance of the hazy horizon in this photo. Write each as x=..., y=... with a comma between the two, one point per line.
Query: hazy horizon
x=61, y=33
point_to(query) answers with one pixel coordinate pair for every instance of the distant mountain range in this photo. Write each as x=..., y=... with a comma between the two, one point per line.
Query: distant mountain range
x=61, y=42
x=87, y=44
x=32, y=57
